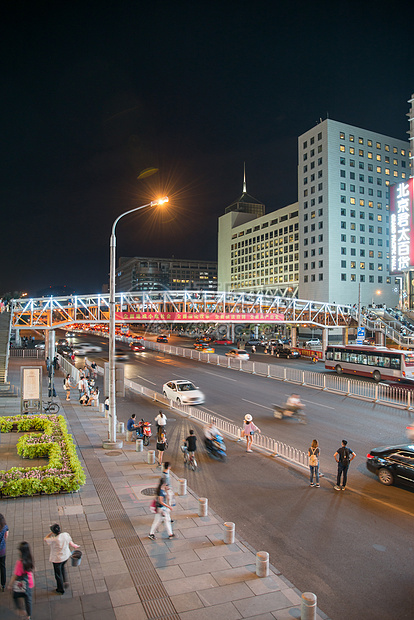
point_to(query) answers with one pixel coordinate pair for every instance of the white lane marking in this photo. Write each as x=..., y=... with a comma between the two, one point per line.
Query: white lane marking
x=319, y=404
x=220, y=377
x=257, y=404
x=223, y=417
x=144, y=379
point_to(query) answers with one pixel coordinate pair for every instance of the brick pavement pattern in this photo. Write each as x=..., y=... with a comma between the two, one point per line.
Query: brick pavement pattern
x=123, y=575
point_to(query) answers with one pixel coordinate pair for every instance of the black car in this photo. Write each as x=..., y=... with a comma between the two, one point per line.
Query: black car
x=281, y=351
x=392, y=464
x=64, y=350
x=162, y=339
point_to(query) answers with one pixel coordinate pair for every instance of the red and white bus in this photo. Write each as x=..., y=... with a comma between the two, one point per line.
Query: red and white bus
x=379, y=363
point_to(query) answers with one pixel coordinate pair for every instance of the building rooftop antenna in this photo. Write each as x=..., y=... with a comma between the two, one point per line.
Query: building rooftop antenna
x=244, y=178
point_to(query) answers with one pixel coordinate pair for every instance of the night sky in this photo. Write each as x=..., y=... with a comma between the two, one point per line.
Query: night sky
x=95, y=92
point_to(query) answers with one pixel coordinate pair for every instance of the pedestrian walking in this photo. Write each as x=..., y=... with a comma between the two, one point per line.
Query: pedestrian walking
x=22, y=582
x=162, y=445
x=47, y=364
x=106, y=405
x=163, y=512
x=343, y=456
x=4, y=532
x=59, y=543
x=253, y=349
x=249, y=430
x=313, y=454
x=161, y=422
x=67, y=385
x=94, y=368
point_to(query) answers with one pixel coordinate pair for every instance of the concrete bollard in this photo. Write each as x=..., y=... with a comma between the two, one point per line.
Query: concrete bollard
x=229, y=529
x=151, y=457
x=262, y=564
x=101, y=407
x=182, y=489
x=139, y=445
x=121, y=428
x=202, y=506
x=308, y=606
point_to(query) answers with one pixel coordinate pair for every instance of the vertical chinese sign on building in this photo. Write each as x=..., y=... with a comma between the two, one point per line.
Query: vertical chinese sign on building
x=401, y=227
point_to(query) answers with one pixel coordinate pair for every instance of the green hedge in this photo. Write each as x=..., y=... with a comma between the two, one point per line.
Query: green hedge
x=63, y=472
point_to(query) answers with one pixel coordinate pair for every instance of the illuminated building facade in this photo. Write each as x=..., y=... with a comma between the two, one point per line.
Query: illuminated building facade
x=173, y=274
x=344, y=179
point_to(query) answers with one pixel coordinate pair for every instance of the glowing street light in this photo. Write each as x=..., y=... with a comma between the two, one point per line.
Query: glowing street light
x=112, y=443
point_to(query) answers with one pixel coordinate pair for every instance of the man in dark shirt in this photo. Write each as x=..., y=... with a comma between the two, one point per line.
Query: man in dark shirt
x=131, y=428
x=191, y=442
x=343, y=456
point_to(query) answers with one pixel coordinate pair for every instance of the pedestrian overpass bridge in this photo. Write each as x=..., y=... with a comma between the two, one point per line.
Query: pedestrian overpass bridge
x=47, y=313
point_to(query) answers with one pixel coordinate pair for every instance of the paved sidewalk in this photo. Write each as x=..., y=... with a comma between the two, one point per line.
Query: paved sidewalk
x=124, y=575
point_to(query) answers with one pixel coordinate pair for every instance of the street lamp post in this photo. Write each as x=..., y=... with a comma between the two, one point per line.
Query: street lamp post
x=112, y=442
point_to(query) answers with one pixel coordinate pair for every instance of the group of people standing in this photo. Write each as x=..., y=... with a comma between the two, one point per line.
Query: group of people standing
x=88, y=390
x=22, y=581
x=343, y=457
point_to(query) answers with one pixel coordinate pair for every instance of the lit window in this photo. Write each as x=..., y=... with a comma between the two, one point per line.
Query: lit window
x=403, y=152
x=396, y=173
x=361, y=140
x=378, y=145
x=369, y=142
x=353, y=277
x=387, y=147
x=387, y=171
x=361, y=153
x=379, y=171
x=342, y=135
x=361, y=202
x=353, y=264
x=352, y=201
x=378, y=157
x=351, y=150
x=342, y=148
x=369, y=155
x=351, y=138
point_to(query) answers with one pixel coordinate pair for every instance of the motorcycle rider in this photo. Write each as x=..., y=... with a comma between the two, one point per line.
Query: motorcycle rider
x=210, y=433
x=293, y=404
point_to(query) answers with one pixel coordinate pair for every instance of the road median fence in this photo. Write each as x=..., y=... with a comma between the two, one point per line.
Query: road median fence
x=266, y=444
x=375, y=392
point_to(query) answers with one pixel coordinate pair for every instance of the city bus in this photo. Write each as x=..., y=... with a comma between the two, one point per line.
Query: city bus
x=379, y=363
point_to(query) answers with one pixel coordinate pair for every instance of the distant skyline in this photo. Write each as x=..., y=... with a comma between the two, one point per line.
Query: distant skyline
x=93, y=94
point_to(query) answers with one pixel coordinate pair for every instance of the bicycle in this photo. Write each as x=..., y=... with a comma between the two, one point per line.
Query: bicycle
x=50, y=407
x=189, y=458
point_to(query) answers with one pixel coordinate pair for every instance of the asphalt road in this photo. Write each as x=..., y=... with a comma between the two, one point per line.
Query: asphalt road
x=353, y=549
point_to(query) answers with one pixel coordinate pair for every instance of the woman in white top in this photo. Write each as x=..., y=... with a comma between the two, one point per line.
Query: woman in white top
x=67, y=385
x=59, y=543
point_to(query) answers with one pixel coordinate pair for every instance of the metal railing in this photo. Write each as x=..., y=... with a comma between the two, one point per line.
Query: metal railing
x=263, y=442
x=379, y=393
x=33, y=353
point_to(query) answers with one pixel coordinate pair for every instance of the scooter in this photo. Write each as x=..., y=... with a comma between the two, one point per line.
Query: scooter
x=284, y=411
x=145, y=432
x=216, y=448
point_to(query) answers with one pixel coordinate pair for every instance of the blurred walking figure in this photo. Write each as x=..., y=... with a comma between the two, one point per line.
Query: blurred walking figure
x=249, y=430
x=59, y=543
x=343, y=456
x=163, y=511
x=313, y=454
x=4, y=532
x=22, y=581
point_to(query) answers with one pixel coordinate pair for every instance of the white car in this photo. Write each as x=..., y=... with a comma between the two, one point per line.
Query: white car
x=315, y=342
x=84, y=348
x=239, y=354
x=183, y=392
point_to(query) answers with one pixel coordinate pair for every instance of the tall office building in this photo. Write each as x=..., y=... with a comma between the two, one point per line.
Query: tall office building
x=344, y=174
x=257, y=252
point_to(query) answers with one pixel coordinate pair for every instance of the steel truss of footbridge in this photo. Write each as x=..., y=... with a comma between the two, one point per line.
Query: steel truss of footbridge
x=178, y=307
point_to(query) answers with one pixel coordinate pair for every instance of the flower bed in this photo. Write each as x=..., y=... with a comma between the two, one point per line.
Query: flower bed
x=63, y=472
